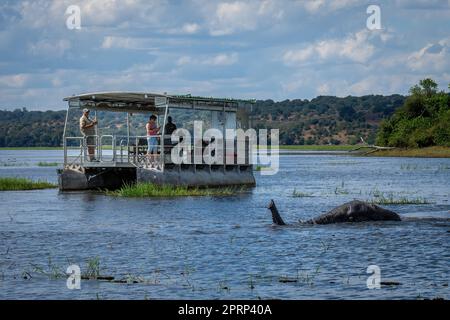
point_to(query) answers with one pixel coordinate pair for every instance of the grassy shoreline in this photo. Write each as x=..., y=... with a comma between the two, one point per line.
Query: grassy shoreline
x=429, y=152
x=18, y=184
x=29, y=148
x=282, y=147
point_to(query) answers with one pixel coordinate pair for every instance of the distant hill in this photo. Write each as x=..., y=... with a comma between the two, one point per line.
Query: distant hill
x=326, y=119
x=323, y=120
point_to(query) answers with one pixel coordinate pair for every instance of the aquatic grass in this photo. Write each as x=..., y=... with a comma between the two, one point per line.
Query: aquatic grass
x=306, y=278
x=52, y=271
x=390, y=200
x=409, y=166
x=47, y=164
x=260, y=168
x=299, y=194
x=223, y=286
x=141, y=190
x=14, y=164
x=341, y=189
x=14, y=184
x=251, y=283
x=93, y=268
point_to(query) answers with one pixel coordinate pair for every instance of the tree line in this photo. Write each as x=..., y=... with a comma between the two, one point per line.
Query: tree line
x=322, y=120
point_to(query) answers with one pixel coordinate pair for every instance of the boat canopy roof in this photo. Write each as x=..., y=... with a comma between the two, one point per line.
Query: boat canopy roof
x=141, y=102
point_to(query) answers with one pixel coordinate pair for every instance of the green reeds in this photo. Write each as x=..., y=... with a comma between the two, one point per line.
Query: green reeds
x=47, y=164
x=390, y=199
x=299, y=194
x=12, y=183
x=141, y=190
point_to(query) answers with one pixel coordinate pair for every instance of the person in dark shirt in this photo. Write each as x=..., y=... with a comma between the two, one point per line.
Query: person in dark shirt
x=170, y=126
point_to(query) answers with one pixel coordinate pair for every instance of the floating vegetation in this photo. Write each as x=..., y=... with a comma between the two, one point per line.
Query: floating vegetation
x=13, y=183
x=13, y=164
x=299, y=194
x=47, y=164
x=341, y=189
x=284, y=279
x=223, y=286
x=390, y=199
x=261, y=168
x=301, y=277
x=390, y=283
x=141, y=190
x=52, y=271
x=251, y=283
x=409, y=166
x=93, y=268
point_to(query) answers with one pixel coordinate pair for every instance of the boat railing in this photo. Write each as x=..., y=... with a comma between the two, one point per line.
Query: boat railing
x=116, y=150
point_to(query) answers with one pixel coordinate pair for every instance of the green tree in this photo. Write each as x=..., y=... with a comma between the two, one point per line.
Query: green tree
x=422, y=121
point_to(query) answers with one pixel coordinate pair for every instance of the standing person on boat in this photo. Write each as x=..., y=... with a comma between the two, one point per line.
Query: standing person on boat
x=87, y=128
x=170, y=126
x=152, y=131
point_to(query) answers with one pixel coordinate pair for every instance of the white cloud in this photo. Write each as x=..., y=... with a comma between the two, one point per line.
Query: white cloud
x=231, y=17
x=120, y=42
x=432, y=57
x=382, y=84
x=50, y=48
x=315, y=6
x=187, y=29
x=355, y=47
x=423, y=4
x=14, y=80
x=39, y=14
x=190, y=28
x=323, y=89
x=300, y=55
x=184, y=60
x=221, y=59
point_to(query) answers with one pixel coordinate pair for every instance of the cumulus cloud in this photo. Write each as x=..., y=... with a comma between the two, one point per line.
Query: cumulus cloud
x=432, y=57
x=314, y=6
x=231, y=17
x=186, y=29
x=190, y=28
x=14, y=80
x=39, y=14
x=122, y=42
x=221, y=59
x=50, y=48
x=253, y=48
x=355, y=47
x=423, y=4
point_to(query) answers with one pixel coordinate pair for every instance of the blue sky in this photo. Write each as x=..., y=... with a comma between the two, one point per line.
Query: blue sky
x=244, y=49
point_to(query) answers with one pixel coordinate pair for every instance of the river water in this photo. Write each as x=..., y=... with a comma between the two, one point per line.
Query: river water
x=226, y=247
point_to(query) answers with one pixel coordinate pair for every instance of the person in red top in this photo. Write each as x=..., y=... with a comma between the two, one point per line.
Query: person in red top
x=152, y=131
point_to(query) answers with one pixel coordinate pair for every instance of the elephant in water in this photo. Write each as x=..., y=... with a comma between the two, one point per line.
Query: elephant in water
x=353, y=211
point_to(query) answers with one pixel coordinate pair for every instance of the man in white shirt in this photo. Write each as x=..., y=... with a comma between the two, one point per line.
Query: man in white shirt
x=87, y=128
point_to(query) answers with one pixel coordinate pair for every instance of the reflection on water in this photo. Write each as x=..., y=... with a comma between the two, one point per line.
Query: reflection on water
x=226, y=247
